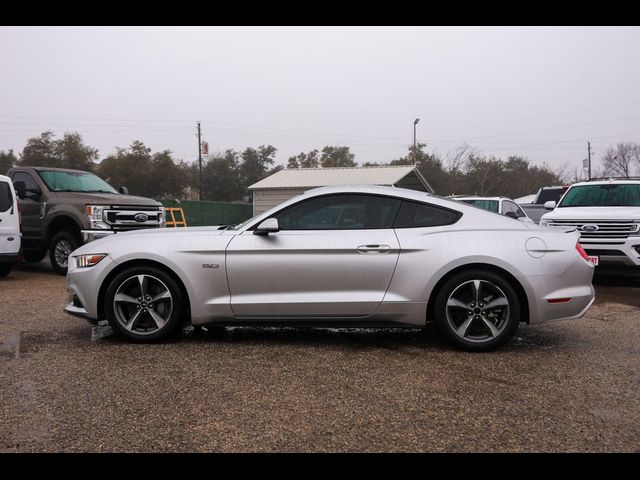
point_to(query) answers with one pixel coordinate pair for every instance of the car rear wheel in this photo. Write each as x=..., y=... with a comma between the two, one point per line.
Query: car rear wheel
x=144, y=304
x=62, y=244
x=477, y=310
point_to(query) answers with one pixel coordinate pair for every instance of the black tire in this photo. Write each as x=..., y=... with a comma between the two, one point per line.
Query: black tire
x=145, y=328
x=478, y=335
x=33, y=256
x=5, y=269
x=62, y=244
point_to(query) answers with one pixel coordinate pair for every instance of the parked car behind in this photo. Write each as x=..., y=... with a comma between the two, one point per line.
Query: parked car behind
x=61, y=209
x=500, y=205
x=607, y=214
x=534, y=205
x=10, y=241
x=339, y=256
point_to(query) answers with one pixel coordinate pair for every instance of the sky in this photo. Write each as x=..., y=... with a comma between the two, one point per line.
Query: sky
x=539, y=92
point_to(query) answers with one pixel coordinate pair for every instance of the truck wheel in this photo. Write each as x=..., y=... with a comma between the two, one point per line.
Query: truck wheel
x=62, y=244
x=5, y=269
x=34, y=256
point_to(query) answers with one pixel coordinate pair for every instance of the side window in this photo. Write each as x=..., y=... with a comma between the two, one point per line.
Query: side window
x=340, y=212
x=414, y=215
x=6, y=198
x=511, y=207
x=27, y=178
x=520, y=212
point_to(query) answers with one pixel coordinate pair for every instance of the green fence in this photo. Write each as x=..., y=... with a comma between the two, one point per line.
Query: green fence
x=211, y=213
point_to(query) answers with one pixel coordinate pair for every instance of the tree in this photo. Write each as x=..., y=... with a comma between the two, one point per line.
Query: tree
x=167, y=178
x=337, y=157
x=67, y=152
x=154, y=175
x=256, y=164
x=221, y=178
x=7, y=160
x=40, y=151
x=71, y=152
x=305, y=160
x=621, y=159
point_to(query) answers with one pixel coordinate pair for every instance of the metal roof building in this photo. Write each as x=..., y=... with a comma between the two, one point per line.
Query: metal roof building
x=288, y=183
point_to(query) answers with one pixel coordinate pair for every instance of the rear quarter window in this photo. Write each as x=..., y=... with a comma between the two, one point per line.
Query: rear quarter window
x=6, y=198
x=415, y=215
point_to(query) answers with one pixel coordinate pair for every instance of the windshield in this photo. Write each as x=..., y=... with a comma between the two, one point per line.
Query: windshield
x=615, y=195
x=490, y=205
x=75, y=182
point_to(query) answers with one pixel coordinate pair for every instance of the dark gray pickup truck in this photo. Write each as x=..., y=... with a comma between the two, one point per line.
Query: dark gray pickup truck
x=61, y=209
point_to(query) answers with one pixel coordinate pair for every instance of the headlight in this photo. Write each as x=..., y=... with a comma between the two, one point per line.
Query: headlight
x=95, y=215
x=84, y=261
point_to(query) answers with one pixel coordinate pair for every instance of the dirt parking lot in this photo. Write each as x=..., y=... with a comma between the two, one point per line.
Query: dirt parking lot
x=565, y=386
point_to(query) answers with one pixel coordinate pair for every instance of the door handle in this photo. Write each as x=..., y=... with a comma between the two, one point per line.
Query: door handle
x=374, y=248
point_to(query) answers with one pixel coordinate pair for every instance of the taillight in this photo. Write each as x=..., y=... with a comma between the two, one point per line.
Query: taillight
x=581, y=251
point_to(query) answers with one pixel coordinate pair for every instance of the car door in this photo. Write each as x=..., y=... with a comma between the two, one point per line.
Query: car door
x=334, y=256
x=30, y=206
x=9, y=220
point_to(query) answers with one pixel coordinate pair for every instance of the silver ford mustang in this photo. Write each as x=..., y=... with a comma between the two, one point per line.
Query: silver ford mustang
x=339, y=257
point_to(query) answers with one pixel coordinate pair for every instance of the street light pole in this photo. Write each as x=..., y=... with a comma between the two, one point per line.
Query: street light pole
x=415, y=122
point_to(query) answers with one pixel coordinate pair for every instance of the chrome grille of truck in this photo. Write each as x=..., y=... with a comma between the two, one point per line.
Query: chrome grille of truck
x=604, y=228
x=124, y=218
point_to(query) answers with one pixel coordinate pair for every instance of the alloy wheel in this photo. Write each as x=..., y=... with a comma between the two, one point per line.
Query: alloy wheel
x=143, y=304
x=477, y=311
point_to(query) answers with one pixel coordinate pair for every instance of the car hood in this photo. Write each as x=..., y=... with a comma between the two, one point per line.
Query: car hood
x=106, y=199
x=154, y=236
x=593, y=213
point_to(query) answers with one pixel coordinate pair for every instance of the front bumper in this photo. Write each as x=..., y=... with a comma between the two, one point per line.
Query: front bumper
x=82, y=285
x=614, y=252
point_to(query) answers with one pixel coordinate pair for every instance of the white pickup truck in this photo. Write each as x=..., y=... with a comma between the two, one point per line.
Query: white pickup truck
x=607, y=215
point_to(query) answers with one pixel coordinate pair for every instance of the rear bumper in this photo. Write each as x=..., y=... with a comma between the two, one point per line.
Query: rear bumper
x=10, y=257
x=565, y=296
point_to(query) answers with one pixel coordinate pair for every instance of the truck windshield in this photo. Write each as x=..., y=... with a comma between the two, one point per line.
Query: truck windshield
x=75, y=182
x=615, y=195
x=491, y=205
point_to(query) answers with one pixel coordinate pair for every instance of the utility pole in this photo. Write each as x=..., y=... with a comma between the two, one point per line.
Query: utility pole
x=589, y=158
x=200, y=161
x=415, y=153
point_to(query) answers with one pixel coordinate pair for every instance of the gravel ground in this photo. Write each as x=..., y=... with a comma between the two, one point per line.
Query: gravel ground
x=565, y=386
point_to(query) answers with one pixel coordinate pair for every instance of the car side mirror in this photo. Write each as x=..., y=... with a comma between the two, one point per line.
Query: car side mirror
x=513, y=215
x=270, y=225
x=21, y=190
x=124, y=190
x=550, y=205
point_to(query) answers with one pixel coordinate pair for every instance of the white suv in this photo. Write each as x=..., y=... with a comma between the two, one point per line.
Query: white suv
x=607, y=215
x=10, y=239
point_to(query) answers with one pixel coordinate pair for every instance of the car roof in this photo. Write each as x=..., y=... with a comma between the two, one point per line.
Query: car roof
x=50, y=169
x=474, y=197
x=608, y=182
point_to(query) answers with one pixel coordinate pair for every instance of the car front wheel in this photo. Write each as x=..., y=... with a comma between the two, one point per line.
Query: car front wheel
x=144, y=304
x=477, y=310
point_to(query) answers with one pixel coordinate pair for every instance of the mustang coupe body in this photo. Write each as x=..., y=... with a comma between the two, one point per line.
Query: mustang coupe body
x=339, y=256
